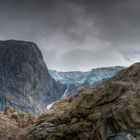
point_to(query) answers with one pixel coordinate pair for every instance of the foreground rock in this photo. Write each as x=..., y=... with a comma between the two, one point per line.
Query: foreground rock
x=121, y=136
x=12, y=122
x=95, y=113
x=24, y=79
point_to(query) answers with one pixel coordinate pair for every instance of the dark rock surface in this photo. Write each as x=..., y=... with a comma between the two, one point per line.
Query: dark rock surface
x=121, y=136
x=24, y=79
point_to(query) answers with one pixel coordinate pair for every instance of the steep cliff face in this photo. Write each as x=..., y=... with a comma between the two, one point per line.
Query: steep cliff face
x=95, y=113
x=24, y=79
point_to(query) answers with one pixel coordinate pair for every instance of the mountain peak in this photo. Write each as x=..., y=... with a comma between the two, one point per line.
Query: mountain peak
x=24, y=79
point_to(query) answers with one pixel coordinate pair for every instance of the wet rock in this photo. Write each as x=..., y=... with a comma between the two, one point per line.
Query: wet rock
x=121, y=136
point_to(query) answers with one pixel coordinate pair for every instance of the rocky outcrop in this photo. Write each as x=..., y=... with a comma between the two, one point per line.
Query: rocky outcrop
x=95, y=113
x=21, y=118
x=121, y=136
x=24, y=79
x=12, y=122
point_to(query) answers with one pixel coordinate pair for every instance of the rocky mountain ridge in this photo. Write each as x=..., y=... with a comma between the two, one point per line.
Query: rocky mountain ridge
x=95, y=113
x=89, y=77
x=76, y=80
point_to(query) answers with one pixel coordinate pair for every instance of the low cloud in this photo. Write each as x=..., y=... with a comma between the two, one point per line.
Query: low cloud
x=76, y=35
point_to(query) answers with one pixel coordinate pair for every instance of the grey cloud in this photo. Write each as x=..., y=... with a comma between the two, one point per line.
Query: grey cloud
x=99, y=30
x=81, y=59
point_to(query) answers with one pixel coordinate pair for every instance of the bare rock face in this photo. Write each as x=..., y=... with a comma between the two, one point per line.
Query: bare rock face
x=121, y=136
x=24, y=79
x=21, y=118
x=12, y=122
x=95, y=113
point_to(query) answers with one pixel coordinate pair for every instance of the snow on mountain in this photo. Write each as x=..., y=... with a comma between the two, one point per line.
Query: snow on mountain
x=76, y=80
x=91, y=77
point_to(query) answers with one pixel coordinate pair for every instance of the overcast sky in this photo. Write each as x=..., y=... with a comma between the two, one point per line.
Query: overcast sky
x=76, y=34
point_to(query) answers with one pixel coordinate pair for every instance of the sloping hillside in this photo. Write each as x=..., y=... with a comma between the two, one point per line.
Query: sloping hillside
x=95, y=113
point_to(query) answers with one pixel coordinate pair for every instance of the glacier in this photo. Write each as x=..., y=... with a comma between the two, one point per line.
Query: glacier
x=91, y=77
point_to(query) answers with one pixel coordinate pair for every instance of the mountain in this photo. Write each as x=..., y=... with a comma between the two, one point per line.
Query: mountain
x=108, y=112
x=75, y=80
x=24, y=79
x=78, y=77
